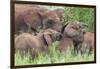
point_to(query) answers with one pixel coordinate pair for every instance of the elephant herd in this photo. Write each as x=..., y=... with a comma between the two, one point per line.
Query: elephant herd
x=37, y=27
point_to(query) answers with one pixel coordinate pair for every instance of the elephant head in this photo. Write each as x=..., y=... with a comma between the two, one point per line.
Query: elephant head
x=72, y=29
x=50, y=36
x=52, y=19
x=72, y=33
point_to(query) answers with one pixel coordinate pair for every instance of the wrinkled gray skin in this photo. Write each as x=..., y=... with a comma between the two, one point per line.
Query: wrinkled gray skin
x=27, y=43
x=30, y=18
x=72, y=34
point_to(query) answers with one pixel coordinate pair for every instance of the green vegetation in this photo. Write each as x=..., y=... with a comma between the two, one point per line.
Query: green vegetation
x=84, y=15
x=53, y=56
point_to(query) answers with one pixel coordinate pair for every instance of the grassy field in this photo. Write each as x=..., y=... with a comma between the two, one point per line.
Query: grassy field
x=54, y=56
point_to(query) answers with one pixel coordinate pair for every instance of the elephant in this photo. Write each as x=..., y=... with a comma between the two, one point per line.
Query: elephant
x=53, y=19
x=27, y=17
x=87, y=46
x=28, y=43
x=72, y=35
x=35, y=17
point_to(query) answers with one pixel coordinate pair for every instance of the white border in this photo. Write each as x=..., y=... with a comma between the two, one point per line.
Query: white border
x=5, y=34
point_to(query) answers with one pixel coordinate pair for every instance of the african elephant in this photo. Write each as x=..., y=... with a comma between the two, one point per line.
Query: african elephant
x=72, y=34
x=53, y=19
x=27, y=17
x=87, y=46
x=27, y=43
x=30, y=17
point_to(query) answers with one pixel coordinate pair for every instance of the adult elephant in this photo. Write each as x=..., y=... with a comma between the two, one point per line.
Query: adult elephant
x=33, y=18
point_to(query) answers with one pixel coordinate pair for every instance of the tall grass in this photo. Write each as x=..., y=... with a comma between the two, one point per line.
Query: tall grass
x=53, y=56
x=85, y=15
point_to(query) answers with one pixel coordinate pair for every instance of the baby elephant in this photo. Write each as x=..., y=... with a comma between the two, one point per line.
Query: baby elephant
x=87, y=45
x=27, y=43
x=71, y=36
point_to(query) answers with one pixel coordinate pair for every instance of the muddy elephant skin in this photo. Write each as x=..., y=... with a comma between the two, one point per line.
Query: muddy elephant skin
x=34, y=18
x=87, y=46
x=27, y=17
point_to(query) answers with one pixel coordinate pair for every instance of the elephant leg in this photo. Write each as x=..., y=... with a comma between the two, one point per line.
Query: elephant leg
x=90, y=51
x=79, y=48
x=75, y=49
x=84, y=49
x=81, y=51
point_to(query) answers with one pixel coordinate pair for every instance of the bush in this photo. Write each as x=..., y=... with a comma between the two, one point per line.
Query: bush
x=85, y=15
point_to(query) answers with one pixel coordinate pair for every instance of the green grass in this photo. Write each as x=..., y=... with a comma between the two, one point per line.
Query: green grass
x=85, y=15
x=54, y=56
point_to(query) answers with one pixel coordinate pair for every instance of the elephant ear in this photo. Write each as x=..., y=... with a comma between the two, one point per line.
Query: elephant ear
x=47, y=38
x=70, y=32
x=63, y=28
